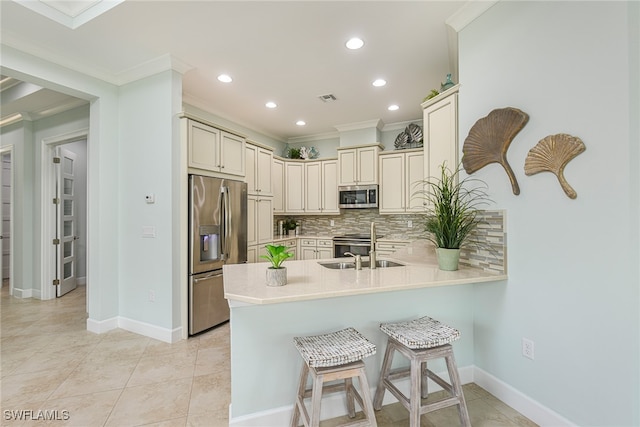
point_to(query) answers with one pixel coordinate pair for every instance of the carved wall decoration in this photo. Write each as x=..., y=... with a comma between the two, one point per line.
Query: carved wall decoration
x=489, y=140
x=552, y=154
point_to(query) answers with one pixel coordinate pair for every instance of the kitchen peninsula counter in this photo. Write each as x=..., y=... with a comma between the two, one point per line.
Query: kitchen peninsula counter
x=309, y=280
x=264, y=362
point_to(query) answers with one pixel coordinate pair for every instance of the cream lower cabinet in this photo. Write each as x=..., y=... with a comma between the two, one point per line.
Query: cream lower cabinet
x=292, y=247
x=401, y=176
x=388, y=247
x=214, y=150
x=321, y=187
x=316, y=248
x=440, y=132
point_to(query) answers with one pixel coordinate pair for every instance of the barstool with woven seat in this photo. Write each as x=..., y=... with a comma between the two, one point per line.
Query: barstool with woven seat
x=331, y=357
x=420, y=340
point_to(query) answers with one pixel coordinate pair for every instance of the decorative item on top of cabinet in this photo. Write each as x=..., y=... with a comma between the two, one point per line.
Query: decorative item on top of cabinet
x=551, y=154
x=215, y=150
x=358, y=165
x=489, y=140
x=410, y=137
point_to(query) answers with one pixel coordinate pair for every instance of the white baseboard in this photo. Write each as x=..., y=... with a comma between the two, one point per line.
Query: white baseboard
x=22, y=293
x=142, y=328
x=522, y=403
x=81, y=281
x=333, y=405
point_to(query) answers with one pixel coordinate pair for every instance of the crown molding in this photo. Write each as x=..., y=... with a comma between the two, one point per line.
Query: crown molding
x=468, y=13
x=376, y=123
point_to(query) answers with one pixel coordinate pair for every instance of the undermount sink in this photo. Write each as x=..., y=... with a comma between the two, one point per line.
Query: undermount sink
x=341, y=265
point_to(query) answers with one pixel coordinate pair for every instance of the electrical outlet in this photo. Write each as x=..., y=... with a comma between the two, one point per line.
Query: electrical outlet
x=152, y=296
x=409, y=224
x=333, y=223
x=528, y=348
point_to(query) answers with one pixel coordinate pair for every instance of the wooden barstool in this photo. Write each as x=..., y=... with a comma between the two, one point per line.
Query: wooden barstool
x=421, y=340
x=333, y=357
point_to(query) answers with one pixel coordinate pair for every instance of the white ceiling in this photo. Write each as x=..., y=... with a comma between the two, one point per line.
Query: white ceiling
x=288, y=52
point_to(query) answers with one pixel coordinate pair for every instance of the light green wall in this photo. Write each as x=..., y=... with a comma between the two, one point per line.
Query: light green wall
x=573, y=264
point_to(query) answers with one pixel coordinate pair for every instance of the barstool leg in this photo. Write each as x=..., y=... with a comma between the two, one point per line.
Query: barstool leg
x=425, y=379
x=384, y=373
x=414, y=399
x=366, y=397
x=457, y=388
x=302, y=385
x=351, y=406
x=316, y=399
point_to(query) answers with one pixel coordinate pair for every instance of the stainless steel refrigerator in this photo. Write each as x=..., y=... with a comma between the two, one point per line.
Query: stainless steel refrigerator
x=217, y=236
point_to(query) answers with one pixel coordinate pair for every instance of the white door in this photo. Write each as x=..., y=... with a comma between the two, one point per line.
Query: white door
x=66, y=224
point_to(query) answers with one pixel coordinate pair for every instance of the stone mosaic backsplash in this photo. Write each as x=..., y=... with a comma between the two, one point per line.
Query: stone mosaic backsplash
x=489, y=253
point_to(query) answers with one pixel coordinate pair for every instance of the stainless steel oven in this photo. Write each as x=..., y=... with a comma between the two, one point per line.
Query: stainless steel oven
x=355, y=243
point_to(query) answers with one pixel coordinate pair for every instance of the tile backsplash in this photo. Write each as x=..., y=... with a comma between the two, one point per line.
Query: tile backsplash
x=489, y=252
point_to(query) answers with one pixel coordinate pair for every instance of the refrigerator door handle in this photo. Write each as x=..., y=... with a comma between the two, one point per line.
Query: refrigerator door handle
x=222, y=220
x=228, y=222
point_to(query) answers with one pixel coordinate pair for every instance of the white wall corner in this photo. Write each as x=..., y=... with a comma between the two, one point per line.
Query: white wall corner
x=154, y=66
x=101, y=326
x=467, y=13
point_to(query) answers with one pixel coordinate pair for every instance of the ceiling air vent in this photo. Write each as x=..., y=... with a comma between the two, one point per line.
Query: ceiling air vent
x=327, y=98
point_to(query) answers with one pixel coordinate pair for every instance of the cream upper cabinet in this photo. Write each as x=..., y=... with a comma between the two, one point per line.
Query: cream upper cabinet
x=294, y=187
x=321, y=189
x=358, y=165
x=214, y=150
x=259, y=170
x=277, y=185
x=441, y=132
x=401, y=174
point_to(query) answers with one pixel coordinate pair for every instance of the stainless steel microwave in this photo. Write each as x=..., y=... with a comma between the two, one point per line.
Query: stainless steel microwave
x=358, y=196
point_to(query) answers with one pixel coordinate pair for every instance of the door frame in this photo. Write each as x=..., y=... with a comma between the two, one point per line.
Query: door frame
x=4, y=150
x=47, y=216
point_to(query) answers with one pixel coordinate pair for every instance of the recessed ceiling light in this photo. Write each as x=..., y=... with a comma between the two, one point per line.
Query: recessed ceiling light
x=379, y=82
x=393, y=107
x=224, y=78
x=271, y=104
x=301, y=123
x=354, y=43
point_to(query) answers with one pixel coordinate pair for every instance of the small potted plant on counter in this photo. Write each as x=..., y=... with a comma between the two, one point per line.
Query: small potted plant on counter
x=289, y=225
x=452, y=206
x=276, y=274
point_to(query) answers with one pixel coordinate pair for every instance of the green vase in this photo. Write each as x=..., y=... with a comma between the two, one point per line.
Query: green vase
x=448, y=258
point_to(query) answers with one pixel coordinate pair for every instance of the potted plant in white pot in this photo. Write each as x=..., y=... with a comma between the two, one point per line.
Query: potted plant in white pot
x=452, y=213
x=276, y=274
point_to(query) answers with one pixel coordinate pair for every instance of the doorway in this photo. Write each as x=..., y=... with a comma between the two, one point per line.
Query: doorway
x=6, y=216
x=64, y=238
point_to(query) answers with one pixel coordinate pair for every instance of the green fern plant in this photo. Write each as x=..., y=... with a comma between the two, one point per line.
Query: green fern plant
x=276, y=254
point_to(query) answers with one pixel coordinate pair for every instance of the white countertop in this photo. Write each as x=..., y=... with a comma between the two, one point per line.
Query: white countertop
x=308, y=280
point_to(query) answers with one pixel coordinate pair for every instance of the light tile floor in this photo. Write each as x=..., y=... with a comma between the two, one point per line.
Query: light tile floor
x=50, y=362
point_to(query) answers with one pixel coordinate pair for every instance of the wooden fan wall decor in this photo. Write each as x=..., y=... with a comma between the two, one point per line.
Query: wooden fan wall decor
x=551, y=154
x=489, y=140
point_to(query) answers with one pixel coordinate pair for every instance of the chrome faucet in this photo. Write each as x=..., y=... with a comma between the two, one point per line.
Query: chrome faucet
x=358, y=260
x=372, y=252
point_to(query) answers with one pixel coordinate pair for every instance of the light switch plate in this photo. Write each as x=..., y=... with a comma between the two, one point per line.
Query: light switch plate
x=148, y=231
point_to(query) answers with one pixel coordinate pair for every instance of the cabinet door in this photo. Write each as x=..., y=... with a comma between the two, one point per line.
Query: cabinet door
x=414, y=170
x=367, y=169
x=324, y=253
x=264, y=173
x=441, y=136
x=232, y=154
x=277, y=185
x=252, y=254
x=312, y=180
x=204, y=146
x=329, y=187
x=252, y=212
x=307, y=253
x=392, y=185
x=347, y=167
x=264, y=220
x=294, y=186
x=251, y=156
